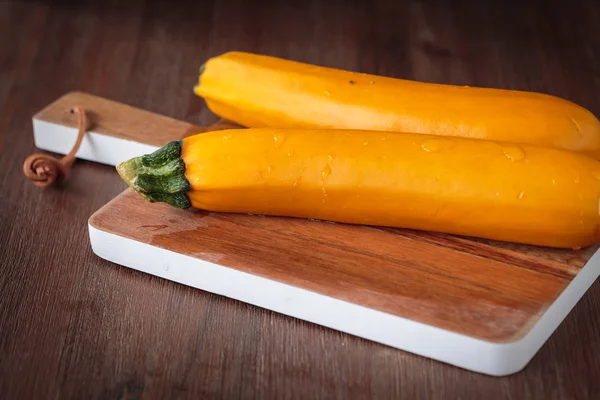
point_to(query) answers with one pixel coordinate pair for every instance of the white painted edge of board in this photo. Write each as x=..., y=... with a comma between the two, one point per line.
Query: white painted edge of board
x=95, y=146
x=498, y=359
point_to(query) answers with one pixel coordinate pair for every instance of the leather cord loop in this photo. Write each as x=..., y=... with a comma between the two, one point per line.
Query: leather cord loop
x=44, y=170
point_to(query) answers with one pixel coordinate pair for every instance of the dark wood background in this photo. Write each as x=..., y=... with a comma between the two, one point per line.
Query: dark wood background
x=73, y=326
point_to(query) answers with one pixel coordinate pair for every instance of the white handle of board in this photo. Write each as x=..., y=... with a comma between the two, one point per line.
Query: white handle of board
x=116, y=132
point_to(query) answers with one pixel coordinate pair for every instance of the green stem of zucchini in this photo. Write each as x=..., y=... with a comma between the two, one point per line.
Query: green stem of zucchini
x=200, y=72
x=159, y=177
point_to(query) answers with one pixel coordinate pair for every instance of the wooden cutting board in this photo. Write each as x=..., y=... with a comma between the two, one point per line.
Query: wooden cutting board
x=478, y=304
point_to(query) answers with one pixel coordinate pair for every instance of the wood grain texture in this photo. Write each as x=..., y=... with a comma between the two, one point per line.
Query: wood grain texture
x=385, y=270
x=73, y=326
x=120, y=120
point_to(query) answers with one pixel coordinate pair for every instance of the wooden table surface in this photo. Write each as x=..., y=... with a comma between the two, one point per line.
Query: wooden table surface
x=74, y=326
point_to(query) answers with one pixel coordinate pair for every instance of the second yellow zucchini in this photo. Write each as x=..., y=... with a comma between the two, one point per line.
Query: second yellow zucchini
x=260, y=91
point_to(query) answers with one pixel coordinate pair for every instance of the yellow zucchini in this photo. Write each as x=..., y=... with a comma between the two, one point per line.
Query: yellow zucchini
x=260, y=91
x=517, y=193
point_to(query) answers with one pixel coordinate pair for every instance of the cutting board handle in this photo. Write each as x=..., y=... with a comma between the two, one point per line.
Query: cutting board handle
x=116, y=131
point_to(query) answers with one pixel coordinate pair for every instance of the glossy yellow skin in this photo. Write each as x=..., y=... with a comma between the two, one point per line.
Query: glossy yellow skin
x=260, y=91
x=486, y=189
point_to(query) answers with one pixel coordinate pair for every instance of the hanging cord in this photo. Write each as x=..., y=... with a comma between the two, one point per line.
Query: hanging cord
x=43, y=170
